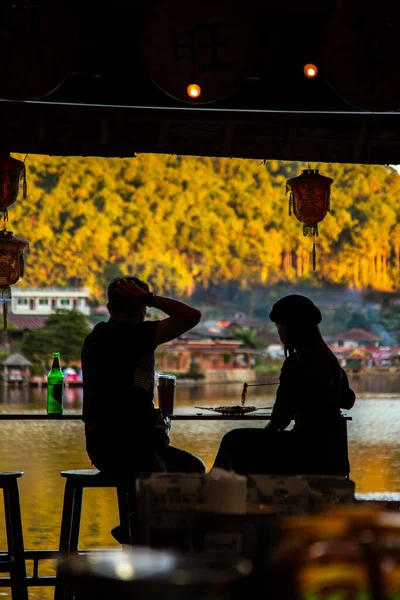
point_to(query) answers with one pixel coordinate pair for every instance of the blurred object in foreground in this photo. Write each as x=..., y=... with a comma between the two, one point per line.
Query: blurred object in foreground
x=300, y=494
x=145, y=574
x=352, y=552
x=165, y=505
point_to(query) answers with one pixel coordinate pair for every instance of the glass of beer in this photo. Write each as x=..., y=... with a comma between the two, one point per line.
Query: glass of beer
x=166, y=392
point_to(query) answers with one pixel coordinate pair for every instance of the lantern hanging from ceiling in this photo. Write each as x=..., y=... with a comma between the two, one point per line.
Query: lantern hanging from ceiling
x=11, y=266
x=11, y=173
x=310, y=201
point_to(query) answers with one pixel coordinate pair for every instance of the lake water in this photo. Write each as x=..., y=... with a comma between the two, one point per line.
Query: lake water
x=42, y=449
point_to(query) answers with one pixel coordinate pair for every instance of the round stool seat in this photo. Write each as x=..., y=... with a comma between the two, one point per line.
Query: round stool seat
x=10, y=474
x=81, y=473
x=94, y=478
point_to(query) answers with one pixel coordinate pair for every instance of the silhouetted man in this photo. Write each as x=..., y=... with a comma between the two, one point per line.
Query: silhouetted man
x=118, y=382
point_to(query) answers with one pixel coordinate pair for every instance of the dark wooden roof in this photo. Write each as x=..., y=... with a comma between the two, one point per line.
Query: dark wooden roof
x=43, y=128
x=107, y=82
x=16, y=360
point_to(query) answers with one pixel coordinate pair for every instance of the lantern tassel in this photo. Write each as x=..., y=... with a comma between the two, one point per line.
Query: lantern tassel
x=5, y=298
x=314, y=255
x=5, y=317
x=24, y=184
x=290, y=199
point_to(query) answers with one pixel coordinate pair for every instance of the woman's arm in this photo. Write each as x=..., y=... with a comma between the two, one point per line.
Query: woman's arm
x=283, y=410
x=348, y=397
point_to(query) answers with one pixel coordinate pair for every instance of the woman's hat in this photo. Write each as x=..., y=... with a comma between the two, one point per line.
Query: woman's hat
x=295, y=310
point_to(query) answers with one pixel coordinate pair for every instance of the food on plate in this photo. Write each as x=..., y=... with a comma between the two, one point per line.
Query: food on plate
x=238, y=408
x=232, y=410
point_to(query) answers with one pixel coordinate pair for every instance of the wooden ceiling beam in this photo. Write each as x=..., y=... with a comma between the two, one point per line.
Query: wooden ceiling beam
x=90, y=130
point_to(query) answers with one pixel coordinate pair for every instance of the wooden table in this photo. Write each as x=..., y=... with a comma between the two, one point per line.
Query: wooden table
x=198, y=416
x=176, y=417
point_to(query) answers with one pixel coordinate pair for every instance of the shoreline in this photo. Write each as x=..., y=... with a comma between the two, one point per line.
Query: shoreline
x=229, y=376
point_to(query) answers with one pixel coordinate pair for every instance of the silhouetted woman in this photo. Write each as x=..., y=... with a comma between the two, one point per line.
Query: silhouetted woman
x=313, y=388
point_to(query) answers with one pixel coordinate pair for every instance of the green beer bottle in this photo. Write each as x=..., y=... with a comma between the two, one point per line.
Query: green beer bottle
x=55, y=386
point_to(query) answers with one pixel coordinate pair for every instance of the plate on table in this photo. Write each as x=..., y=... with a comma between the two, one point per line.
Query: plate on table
x=232, y=410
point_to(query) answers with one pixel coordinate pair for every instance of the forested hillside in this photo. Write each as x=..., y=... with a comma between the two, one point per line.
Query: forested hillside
x=183, y=221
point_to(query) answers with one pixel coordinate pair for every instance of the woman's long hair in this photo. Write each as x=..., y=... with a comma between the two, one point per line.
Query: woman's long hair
x=307, y=343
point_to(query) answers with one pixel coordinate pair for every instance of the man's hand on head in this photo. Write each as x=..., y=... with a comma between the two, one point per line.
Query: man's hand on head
x=129, y=290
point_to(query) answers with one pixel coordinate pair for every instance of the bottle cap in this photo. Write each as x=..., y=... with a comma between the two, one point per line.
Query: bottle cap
x=165, y=379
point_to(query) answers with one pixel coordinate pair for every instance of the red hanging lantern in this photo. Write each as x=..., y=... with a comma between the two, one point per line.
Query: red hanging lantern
x=11, y=266
x=310, y=201
x=11, y=173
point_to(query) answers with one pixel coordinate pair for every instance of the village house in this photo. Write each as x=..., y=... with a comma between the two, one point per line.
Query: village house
x=213, y=358
x=30, y=308
x=356, y=359
x=16, y=370
x=45, y=301
x=356, y=338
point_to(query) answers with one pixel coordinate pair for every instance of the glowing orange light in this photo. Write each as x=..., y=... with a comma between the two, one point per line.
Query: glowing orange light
x=310, y=70
x=193, y=90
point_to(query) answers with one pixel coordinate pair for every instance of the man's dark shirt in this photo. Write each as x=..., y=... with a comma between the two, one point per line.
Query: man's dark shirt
x=118, y=376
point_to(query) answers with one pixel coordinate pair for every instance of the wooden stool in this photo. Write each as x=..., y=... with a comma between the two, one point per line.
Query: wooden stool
x=75, y=483
x=13, y=561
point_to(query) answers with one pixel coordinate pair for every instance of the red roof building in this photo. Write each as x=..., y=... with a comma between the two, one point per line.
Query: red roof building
x=209, y=354
x=357, y=338
x=27, y=323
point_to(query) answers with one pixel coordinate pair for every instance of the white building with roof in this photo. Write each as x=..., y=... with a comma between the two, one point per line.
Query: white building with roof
x=45, y=301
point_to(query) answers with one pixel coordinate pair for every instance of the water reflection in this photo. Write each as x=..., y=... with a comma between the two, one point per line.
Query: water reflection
x=42, y=449
x=375, y=383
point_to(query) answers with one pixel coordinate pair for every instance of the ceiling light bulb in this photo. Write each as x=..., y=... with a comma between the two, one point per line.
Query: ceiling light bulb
x=193, y=90
x=310, y=70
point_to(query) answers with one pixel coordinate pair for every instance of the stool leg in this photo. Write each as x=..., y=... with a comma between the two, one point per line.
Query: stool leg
x=71, y=519
x=15, y=540
x=70, y=528
x=126, y=507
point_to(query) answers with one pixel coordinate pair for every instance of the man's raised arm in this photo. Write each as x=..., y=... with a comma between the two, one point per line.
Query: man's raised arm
x=181, y=318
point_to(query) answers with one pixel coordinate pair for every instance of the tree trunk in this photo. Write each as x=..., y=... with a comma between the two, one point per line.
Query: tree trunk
x=373, y=270
x=385, y=268
x=287, y=260
x=264, y=274
x=356, y=271
x=299, y=263
x=378, y=267
x=364, y=272
x=306, y=262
